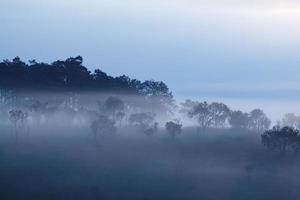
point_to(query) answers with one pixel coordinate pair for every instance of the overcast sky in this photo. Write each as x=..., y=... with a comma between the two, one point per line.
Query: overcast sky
x=221, y=49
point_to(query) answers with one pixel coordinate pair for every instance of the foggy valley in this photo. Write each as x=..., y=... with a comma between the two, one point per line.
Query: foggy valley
x=88, y=135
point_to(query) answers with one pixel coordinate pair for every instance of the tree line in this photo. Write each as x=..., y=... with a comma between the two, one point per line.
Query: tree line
x=114, y=114
x=71, y=75
x=219, y=115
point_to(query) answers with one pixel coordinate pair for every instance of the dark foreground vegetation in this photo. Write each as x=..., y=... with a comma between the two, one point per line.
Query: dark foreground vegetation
x=67, y=133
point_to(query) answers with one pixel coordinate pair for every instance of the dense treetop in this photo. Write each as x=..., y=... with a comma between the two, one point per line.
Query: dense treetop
x=71, y=75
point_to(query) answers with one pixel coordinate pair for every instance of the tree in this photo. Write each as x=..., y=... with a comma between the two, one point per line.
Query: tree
x=103, y=125
x=239, y=120
x=259, y=120
x=282, y=139
x=173, y=128
x=188, y=106
x=220, y=113
x=141, y=120
x=290, y=119
x=19, y=120
x=7, y=99
x=210, y=115
x=152, y=88
x=157, y=96
x=38, y=109
x=112, y=106
x=72, y=76
x=202, y=114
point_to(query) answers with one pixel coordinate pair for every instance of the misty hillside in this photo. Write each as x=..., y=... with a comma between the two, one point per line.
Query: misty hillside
x=150, y=100
x=67, y=133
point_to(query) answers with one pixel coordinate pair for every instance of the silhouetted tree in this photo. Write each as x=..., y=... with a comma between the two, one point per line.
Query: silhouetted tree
x=259, y=120
x=71, y=75
x=210, y=115
x=74, y=75
x=220, y=114
x=282, y=139
x=158, y=96
x=202, y=114
x=173, y=128
x=239, y=120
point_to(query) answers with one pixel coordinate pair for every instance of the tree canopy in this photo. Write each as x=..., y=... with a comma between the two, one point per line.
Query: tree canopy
x=72, y=75
x=282, y=139
x=219, y=115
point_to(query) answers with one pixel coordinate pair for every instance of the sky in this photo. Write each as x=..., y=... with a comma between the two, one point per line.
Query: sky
x=217, y=49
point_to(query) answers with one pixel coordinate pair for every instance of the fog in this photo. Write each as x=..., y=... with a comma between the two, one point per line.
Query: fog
x=56, y=153
x=149, y=100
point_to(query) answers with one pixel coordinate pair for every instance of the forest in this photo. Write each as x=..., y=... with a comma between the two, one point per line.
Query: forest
x=75, y=134
x=70, y=75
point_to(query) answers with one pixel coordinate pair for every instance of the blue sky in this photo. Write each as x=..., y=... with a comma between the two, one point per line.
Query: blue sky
x=221, y=49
